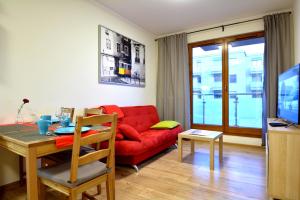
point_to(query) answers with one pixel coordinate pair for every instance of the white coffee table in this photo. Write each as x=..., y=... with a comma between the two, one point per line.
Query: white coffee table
x=202, y=135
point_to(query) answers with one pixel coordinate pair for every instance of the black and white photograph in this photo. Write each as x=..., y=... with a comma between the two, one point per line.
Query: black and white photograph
x=122, y=60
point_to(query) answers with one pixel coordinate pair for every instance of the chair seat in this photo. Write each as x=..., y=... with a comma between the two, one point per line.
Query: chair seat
x=61, y=173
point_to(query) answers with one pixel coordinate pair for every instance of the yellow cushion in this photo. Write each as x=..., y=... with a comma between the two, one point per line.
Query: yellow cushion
x=165, y=125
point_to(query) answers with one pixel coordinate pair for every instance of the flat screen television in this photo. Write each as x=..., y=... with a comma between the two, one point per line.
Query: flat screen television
x=288, y=95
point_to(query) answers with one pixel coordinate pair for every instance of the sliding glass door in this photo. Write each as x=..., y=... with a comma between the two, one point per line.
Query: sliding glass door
x=207, y=85
x=227, y=84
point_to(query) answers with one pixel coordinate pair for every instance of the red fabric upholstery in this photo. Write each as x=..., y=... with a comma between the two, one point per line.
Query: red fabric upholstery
x=140, y=117
x=110, y=109
x=130, y=132
x=152, y=141
x=119, y=136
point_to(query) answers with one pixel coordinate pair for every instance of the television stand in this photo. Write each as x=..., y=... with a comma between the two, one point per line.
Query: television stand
x=283, y=161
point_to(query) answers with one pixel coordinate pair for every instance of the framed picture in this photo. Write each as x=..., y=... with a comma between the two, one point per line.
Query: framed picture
x=121, y=59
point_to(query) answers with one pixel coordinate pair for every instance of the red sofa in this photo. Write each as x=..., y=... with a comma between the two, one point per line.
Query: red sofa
x=152, y=141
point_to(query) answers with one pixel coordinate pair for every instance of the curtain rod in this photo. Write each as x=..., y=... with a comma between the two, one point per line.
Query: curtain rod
x=223, y=26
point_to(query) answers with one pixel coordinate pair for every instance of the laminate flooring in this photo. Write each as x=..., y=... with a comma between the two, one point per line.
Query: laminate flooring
x=242, y=176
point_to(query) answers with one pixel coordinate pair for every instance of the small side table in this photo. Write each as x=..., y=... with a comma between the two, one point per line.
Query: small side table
x=202, y=135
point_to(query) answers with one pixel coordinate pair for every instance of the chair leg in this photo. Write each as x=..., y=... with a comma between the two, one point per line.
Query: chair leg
x=110, y=193
x=98, y=189
x=41, y=191
x=73, y=195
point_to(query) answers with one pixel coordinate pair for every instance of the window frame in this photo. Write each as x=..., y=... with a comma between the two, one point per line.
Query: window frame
x=239, y=131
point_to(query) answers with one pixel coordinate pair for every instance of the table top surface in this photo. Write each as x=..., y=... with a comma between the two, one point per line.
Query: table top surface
x=201, y=134
x=27, y=135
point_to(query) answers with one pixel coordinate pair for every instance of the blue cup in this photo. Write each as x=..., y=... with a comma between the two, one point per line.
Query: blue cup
x=43, y=126
x=46, y=117
x=66, y=122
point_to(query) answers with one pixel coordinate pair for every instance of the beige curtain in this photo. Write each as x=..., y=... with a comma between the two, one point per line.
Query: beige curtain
x=277, y=59
x=173, y=98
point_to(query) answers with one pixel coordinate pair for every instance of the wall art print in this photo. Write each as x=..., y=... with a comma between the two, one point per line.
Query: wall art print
x=121, y=59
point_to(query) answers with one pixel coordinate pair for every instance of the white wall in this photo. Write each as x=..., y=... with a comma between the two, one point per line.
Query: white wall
x=296, y=15
x=48, y=53
x=229, y=30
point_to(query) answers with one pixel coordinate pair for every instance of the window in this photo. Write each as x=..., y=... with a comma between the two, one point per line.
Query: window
x=217, y=77
x=256, y=77
x=217, y=94
x=125, y=48
x=108, y=44
x=232, y=95
x=232, y=78
x=257, y=62
x=199, y=78
x=256, y=94
x=137, y=54
x=118, y=48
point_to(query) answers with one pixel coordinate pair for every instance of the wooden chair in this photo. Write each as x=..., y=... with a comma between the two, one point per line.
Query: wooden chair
x=92, y=111
x=84, y=172
x=48, y=160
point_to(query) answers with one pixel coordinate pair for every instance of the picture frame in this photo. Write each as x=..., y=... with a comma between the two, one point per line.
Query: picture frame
x=121, y=59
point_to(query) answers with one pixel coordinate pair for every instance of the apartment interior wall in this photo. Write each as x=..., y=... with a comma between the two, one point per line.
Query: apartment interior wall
x=49, y=54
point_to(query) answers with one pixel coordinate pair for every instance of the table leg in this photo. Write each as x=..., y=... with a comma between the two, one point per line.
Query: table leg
x=192, y=146
x=31, y=172
x=221, y=149
x=212, y=155
x=179, y=149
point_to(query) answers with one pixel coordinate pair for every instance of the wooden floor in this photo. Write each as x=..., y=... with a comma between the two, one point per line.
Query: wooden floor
x=241, y=177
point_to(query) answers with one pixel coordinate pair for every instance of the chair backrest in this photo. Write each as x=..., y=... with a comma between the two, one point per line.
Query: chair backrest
x=69, y=111
x=98, y=137
x=92, y=111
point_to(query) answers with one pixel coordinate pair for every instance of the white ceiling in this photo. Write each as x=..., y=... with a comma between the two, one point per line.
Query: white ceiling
x=168, y=16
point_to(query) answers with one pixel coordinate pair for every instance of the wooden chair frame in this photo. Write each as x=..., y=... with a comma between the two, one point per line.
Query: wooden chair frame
x=108, y=153
x=92, y=111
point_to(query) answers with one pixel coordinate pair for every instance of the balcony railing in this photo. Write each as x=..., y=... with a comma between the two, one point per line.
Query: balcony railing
x=245, y=109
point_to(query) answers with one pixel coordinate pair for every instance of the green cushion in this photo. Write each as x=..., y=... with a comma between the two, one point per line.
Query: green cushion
x=165, y=125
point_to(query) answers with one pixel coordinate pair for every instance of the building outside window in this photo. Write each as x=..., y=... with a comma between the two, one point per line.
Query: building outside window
x=217, y=94
x=256, y=94
x=199, y=78
x=232, y=78
x=217, y=77
x=256, y=77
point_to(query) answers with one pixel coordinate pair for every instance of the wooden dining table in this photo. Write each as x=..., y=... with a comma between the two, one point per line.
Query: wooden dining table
x=26, y=141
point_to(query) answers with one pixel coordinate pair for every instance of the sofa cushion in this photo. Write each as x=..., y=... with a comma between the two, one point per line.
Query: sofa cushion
x=165, y=125
x=110, y=109
x=140, y=117
x=151, y=139
x=129, y=132
x=119, y=136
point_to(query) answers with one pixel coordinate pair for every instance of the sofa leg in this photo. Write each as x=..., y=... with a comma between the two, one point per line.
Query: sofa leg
x=136, y=168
